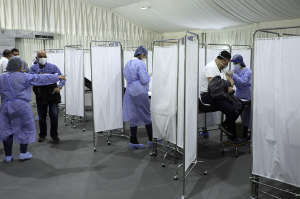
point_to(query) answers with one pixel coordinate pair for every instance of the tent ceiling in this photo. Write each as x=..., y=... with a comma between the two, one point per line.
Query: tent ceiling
x=178, y=15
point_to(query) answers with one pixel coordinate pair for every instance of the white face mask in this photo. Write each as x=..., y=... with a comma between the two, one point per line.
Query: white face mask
x=42, y=61
x=237, y=66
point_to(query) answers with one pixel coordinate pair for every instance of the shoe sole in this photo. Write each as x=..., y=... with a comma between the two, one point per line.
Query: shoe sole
x=24, y=160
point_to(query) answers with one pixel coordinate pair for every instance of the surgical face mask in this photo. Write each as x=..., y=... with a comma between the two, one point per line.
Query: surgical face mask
x=237, y=66
x=42, y=61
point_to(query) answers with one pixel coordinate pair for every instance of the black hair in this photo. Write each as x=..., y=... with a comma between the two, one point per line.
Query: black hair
x=224, y=55
x=6, y=53
x=15, y=50
x=138, y=56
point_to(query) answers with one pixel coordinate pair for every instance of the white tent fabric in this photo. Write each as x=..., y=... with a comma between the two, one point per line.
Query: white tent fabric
x=191, y=102
x=207, y=14
x=246, y=53
x=74, y=71
x=164, y=93
x=56, y=16
x=57, y=57
x=276, y=108
x=107, y=90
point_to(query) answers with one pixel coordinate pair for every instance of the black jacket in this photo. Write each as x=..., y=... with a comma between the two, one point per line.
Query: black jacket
x=46, y=94
x=218, y=90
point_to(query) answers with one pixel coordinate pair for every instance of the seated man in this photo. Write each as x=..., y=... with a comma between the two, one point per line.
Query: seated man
x=226, y=106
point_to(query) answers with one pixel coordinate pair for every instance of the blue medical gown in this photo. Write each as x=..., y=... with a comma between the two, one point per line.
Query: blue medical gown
x=16, y=115
x=243, y=81
x=136, y=106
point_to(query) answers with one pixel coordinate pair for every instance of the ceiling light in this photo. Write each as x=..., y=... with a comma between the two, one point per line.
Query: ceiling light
x=145, y=7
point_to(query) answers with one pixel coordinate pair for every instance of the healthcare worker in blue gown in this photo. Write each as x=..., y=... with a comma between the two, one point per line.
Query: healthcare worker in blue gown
x=242, y=77
x=16, y=117
x=136, y=107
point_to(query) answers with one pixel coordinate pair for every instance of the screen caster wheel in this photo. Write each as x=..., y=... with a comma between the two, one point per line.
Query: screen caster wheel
x=175, y=177
x=153, y=154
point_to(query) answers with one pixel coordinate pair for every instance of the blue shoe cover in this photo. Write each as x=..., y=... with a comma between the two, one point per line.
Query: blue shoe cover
x=136, y=146
x=25, y=156
x=8, y=159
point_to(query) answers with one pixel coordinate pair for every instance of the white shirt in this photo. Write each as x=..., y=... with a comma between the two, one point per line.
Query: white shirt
x=3, y=64
x=210, y=70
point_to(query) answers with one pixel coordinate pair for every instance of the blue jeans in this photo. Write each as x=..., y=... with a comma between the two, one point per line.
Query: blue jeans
x=53, y=114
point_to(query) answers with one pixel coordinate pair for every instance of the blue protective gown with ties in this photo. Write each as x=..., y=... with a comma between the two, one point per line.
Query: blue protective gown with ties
x=243, y=81
x=16, y=117
x=136, y=106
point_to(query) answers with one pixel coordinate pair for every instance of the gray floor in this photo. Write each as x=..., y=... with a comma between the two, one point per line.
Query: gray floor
x=72, y=170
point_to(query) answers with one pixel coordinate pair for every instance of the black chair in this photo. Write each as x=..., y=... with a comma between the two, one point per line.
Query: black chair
x=206, y=108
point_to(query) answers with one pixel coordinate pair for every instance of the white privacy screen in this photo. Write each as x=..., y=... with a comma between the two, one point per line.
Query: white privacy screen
x=107, y=88
x=164, y=93
x=191, y=102
x=214, y=118
x=127, y=56
x=87, y=65
x=149, y=67
x=246, y=53
x=74, y=70
x=57, y=58
x=276, y=108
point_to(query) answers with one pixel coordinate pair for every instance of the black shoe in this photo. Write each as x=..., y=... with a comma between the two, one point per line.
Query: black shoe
x=226, y=131
x=41, y=139
x=55, y=141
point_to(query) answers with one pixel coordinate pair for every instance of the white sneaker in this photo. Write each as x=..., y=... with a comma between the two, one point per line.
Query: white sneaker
x=25, y=156
x=8, y=159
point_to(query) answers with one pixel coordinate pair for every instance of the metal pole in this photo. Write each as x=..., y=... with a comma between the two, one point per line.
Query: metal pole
x=122, y=80
x=178, y=66
x=93, y=112
x=184, y=120
x=83, y=87
x=65, y=87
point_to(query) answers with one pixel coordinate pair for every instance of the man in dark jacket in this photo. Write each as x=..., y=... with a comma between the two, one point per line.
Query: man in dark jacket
x=47, y=97
x=222, y=85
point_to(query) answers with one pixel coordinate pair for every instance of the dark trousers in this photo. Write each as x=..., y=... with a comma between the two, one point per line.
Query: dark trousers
x=133, y=133
x=53, y=114
x=8, y=145
x=225, y=107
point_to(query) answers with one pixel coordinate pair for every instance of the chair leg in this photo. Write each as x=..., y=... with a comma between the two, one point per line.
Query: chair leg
x=204, y=130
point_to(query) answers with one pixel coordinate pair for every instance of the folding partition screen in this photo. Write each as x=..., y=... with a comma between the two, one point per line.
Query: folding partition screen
x=106, y=62
x=74, y=71
x=164, y=93
x=276, y=108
